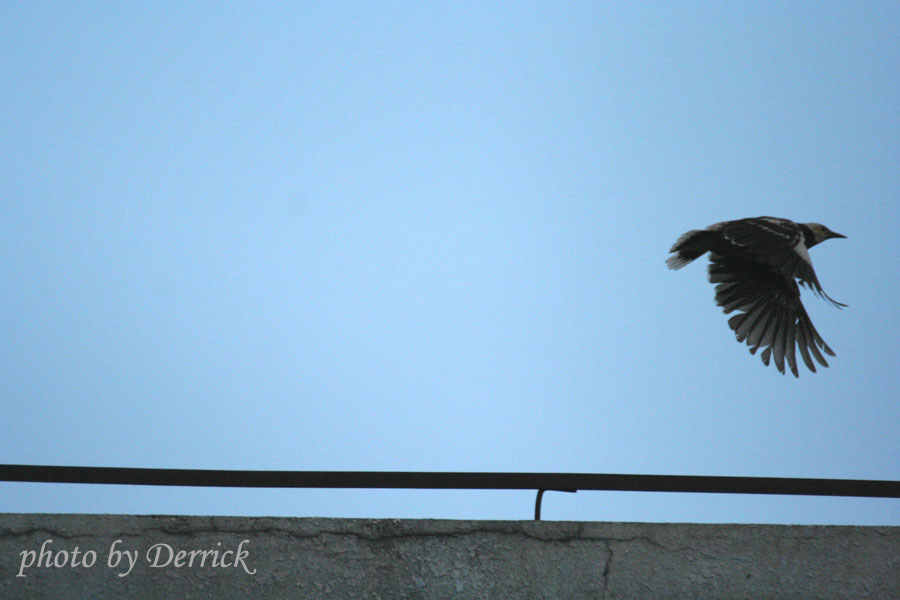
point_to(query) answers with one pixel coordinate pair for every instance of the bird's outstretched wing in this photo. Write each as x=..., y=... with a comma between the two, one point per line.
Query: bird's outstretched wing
x=777, y=242
x=772, y=316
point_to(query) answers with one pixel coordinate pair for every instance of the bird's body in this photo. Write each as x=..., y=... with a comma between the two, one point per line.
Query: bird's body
x=755, y=264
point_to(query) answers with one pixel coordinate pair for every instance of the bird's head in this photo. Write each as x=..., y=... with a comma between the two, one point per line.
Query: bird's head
x=822, y=233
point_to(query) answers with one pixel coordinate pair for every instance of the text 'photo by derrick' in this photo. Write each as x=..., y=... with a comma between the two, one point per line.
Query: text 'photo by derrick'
x=123, y=560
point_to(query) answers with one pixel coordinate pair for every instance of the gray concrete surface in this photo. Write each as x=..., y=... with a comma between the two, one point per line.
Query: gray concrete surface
x=235, y=557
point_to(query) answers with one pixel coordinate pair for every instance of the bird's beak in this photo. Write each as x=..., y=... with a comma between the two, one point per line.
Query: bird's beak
x=833, y=234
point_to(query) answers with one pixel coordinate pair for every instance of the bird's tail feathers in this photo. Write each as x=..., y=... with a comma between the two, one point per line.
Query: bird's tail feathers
x=688, y=247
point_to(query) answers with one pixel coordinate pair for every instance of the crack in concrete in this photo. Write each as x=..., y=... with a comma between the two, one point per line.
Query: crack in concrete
x=211, y=527
x=149, y=531
x=606, y=568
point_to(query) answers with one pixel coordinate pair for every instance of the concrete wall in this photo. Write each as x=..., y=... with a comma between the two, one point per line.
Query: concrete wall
x=234, y=557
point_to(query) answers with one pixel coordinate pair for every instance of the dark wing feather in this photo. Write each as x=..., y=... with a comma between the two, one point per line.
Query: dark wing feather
x=771, y=314
x=766, y=237
x=778, y=243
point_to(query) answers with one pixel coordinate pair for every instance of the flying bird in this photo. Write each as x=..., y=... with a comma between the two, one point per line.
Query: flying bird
x=755, y=264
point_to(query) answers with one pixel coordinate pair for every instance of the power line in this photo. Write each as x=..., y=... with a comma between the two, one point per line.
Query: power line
x=567, y=482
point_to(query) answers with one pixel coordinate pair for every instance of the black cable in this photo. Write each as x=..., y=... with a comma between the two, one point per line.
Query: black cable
x=450, y=480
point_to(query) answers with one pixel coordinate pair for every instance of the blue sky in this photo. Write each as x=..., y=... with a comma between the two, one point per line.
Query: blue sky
x=431, y=237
